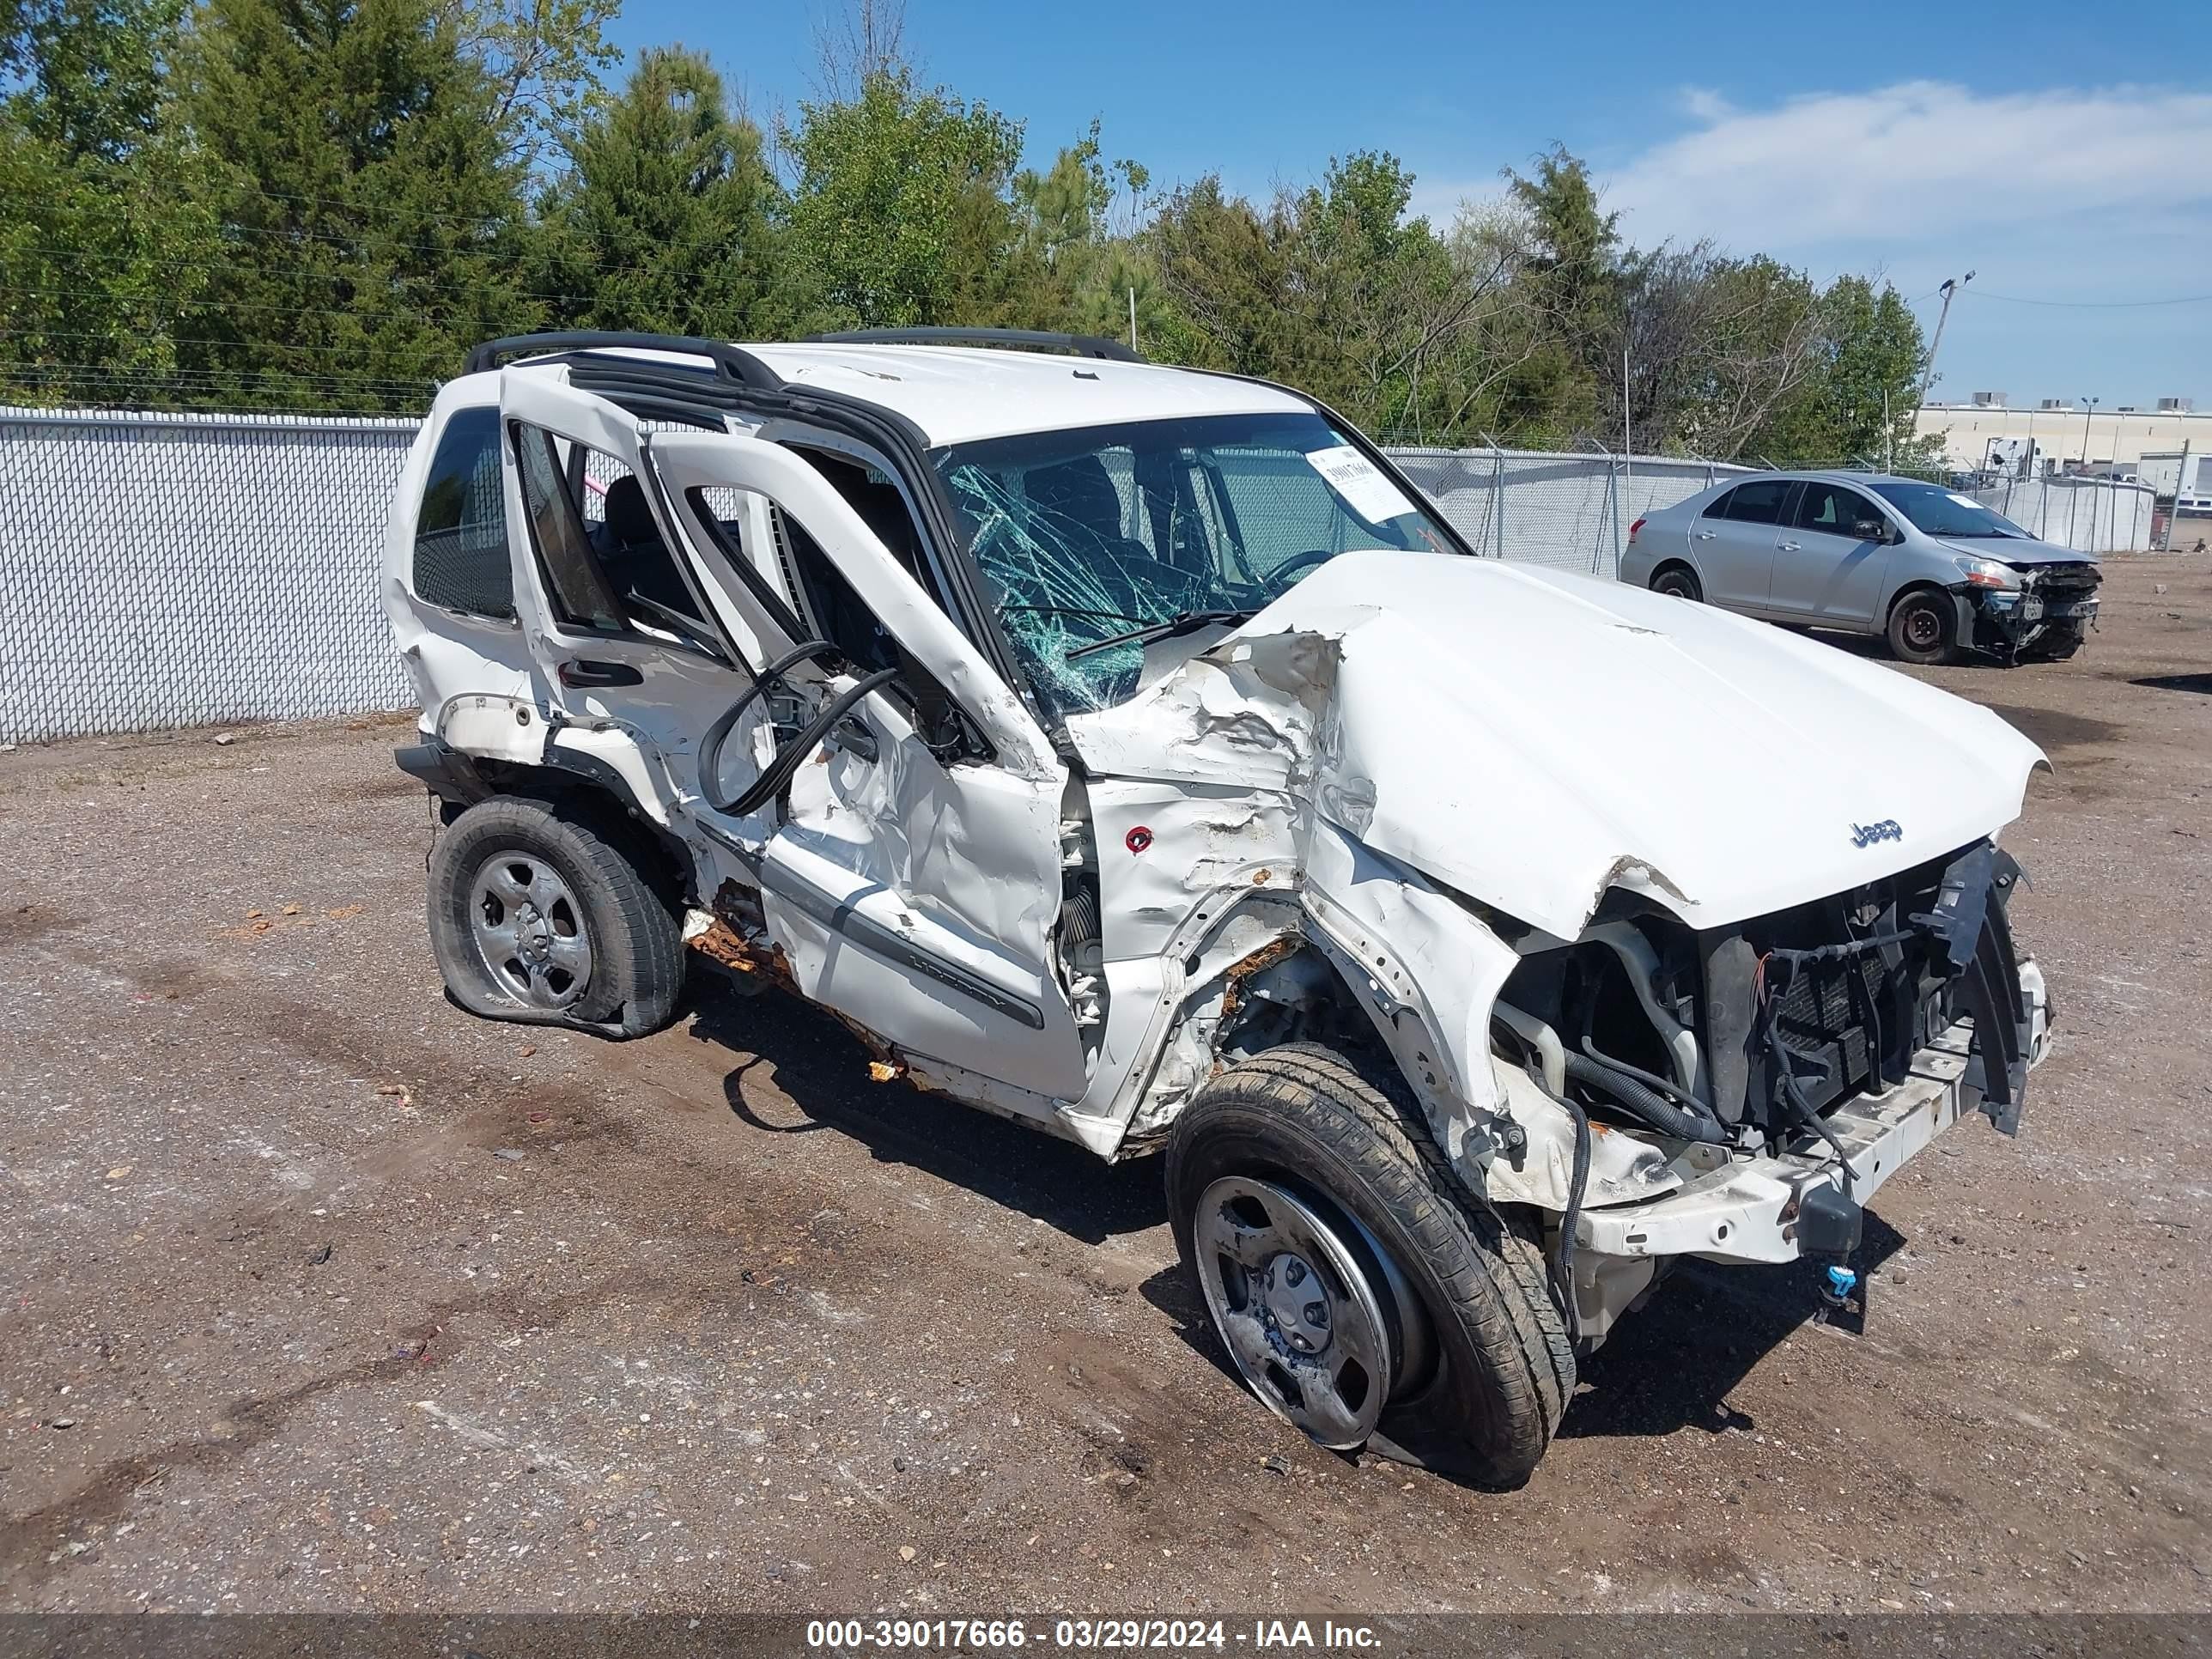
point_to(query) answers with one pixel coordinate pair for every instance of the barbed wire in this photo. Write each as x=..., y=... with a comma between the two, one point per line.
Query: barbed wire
x=374, y=306
x=269, y=273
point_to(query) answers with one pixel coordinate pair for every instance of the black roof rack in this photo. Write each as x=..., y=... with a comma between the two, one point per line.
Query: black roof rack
x=731, y=363
x=1087, y=345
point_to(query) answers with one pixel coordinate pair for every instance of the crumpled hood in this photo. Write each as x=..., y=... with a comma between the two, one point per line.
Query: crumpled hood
x=2008, y=551
x=1530, y=738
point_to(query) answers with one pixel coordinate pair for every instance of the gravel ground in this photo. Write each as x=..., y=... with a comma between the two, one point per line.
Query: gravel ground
x=317, y=1294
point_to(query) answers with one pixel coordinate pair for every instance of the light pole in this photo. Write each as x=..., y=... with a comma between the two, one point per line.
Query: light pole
x=2089, y=408
x=1950, y=287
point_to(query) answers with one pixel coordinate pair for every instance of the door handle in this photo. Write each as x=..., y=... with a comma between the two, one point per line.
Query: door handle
x=579, y=672
x=852, y=735
x=1704, y=535
x=1789, y=547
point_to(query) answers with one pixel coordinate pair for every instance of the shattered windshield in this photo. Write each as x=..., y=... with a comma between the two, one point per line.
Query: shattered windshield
x=1160, y=527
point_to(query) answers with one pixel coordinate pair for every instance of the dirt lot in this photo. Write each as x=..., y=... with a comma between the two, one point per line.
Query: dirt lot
x=318, y=1294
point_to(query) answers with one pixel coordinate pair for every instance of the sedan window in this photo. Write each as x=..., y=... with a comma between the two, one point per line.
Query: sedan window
x=1832, y=510
x=1760, y=502
x=1939, y=512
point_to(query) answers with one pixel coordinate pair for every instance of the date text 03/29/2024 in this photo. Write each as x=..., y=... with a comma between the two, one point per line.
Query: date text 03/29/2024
x=1258, y=1635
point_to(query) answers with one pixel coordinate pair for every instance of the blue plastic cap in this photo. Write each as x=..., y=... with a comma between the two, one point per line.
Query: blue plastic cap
x=1840, y=1280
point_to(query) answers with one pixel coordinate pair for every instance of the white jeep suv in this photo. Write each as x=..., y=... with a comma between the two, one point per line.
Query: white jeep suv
x=1128, y=750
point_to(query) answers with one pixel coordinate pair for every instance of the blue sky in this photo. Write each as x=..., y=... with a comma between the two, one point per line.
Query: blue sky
x=2059, y=152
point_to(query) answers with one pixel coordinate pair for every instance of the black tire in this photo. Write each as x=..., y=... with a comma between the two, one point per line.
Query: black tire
x=1923, y=626
x=1500, y=1367
x=635, y=945
x=2056, y=649
x=1679, y=581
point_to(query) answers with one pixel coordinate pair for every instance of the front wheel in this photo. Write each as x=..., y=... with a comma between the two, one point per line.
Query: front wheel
x=1924, y=628
x=1363, y=1294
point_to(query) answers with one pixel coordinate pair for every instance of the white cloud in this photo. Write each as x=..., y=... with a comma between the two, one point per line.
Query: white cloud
x=1918, y=161
x=1703, y=104
x=2092, y=195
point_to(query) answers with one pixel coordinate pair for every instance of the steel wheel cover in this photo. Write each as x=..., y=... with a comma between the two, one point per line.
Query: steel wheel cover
x=1294, y=1307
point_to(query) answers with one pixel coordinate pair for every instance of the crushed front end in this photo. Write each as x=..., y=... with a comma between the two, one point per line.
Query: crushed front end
x=1785, y=1066
x=2045, y=610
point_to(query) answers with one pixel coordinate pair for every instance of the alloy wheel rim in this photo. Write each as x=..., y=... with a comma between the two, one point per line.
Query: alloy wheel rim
x=529, y=931
x=1294, y=1307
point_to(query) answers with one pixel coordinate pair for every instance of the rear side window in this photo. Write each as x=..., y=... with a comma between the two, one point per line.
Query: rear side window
x=1760, y=502
x=460, y=532
x=580, y=594
x=607, y=567
x=1718, y=506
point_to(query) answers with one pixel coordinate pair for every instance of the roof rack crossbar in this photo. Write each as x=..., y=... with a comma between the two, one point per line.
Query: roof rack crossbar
x=731, y=362
x=1087, y=345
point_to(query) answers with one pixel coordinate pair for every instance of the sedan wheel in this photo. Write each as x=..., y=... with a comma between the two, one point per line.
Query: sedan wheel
x=1923, y=628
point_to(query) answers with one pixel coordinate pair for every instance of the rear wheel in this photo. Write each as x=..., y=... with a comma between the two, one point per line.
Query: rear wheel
x=1923, y=626
x=1361, y=1293
x=1680, y=581
x=537, y=915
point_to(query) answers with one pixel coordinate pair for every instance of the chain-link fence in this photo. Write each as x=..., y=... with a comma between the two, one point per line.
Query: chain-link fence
x=1571, y=512
x=2090, y=515
x=171, y=569
x=164, y=570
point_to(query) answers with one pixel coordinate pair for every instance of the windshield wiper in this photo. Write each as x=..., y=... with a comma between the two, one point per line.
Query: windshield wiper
x=1181, y=622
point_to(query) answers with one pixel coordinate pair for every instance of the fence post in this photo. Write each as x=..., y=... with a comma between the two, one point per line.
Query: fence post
x=1497, y=493
x=2180, y=483
x=1612, y=510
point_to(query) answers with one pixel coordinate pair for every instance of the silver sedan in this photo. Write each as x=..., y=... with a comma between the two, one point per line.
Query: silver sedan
x=1932, y=571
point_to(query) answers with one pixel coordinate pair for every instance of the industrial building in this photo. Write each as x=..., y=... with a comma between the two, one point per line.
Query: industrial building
x=2061, y=434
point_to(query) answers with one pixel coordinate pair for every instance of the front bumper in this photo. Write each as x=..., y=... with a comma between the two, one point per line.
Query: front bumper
x=1745, y=1209
x=2015, y=622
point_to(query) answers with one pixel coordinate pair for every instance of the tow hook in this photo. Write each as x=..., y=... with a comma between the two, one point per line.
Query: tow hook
x=1842, y=1300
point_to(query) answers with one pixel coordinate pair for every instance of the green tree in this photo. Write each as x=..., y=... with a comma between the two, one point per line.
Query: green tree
x=102, y=237
x=1225, y=276
x=372, y=212
x=545, y=58
x=662, y=221
x=1870, y=380
x=1377, y=295
x=1712, y=348
x=1336, y=289
x=1572, y=285
x=899, y=211
x=1068, y=269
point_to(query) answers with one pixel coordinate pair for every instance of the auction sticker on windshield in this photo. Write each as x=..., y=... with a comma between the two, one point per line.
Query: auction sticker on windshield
x=1363, y=485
